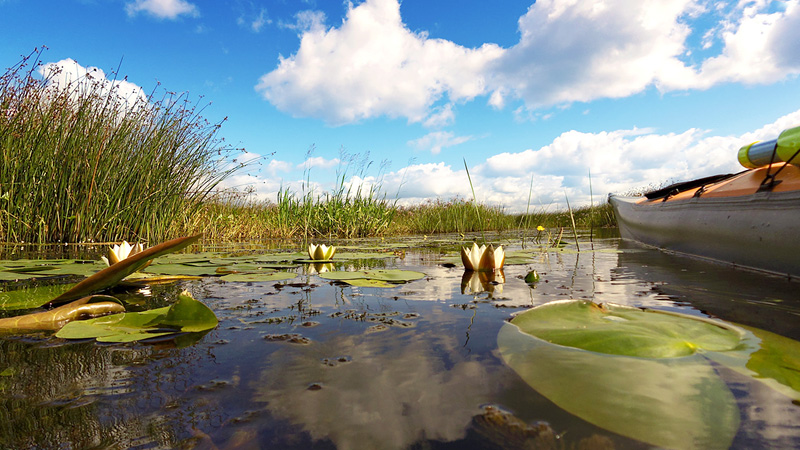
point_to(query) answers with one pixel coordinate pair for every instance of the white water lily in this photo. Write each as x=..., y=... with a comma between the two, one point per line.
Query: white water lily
x=119, y=252
x=483, y=258
x=321, y=252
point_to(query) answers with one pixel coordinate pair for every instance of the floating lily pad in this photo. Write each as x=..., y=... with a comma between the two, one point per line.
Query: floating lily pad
x=182, y=269
x=622, y=330
x=263, y=276
x=390, y=275
x=642, y=373
x=31, y=297
x=670, y=403
x=186, y=315
x=365, y=282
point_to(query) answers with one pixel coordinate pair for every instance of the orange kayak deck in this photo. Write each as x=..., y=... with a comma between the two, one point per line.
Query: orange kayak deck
x=741, y=184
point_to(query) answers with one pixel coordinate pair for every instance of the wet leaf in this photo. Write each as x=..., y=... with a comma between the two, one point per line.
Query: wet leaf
x=112, y=275
x=671, y=403
x=186, y=315
x=263, y=276
x=390, y=275
x=623, y=330
x=365, y=282
x=31, y=297
x=182, y=269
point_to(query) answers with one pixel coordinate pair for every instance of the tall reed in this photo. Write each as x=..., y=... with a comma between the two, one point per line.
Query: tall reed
x=79, y=164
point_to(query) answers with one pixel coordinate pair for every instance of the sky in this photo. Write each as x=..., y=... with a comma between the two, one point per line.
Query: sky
x=543, y=101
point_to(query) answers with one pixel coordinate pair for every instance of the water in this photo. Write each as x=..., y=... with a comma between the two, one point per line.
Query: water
x=313, y=364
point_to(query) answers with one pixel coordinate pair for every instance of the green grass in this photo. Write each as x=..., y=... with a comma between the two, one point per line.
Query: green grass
x=80, y=166
x=77, y=165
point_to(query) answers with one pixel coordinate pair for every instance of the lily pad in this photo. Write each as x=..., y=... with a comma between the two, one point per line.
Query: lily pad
x=642, y=373
x=182, y=269
x=390, y=275
x=670, y=403
x=186, y=315
x=366, y=282
x=623, y=330
x=262, y=276
x=31, y=297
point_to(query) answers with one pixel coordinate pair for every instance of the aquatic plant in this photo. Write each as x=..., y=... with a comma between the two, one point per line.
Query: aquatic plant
x=652, y=372
x=81, y=163
x=321, y=252
x=483, y=258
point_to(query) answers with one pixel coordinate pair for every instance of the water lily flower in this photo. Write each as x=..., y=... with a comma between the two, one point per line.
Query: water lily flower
x=119, y=252
x=321, y=252
x=483, y=258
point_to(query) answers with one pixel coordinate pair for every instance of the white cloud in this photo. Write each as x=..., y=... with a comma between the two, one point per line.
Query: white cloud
x=437, y=140
x=319, y=162
x=162, y=9
x=68, y=75
x=373, y=65
x=569, y=51
x=614, y=161
x=275, y=167
x=306, y=21
x=255, y=22
x=440, y=117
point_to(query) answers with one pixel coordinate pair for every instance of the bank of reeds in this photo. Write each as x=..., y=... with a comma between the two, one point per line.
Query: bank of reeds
x=235, y=218
x=343, y=213
x=80, y=163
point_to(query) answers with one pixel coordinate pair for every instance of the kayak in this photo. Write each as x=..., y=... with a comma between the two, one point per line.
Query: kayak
x=750, y=219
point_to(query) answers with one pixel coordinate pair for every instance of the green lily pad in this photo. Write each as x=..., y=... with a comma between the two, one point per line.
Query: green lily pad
x=31, y=297
x=645, y=374
x=181, y=269
x=670, y=403
x=622, y=330
x=365, y=282
x=390, y=275
x=263, y=276
x=186, y=315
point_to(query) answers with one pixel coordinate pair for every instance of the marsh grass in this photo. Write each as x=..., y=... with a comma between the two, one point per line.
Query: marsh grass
x=80, y=163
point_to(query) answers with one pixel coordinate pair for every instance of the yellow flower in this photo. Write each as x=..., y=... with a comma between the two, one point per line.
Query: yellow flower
x=119, y=252
x=483, y=258
x=540, y=228
x=321, y=252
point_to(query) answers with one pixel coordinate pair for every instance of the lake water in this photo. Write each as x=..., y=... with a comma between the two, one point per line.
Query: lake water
x=309, y=363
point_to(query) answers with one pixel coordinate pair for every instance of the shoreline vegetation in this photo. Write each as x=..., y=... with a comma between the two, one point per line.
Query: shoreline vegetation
x=82, y=162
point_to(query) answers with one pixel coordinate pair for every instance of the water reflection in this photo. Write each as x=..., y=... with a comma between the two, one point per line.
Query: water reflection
x=409, y=366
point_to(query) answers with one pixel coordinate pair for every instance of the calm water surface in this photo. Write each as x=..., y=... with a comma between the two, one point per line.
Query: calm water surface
x=313, y=364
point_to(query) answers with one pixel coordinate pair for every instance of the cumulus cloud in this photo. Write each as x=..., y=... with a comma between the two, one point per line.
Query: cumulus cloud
x=613, y=161
x=276, y=167
x=437, y=140
x=373, y=65
x=162, y=9
x=318, y=162
x=569, y=51
x=68, y=75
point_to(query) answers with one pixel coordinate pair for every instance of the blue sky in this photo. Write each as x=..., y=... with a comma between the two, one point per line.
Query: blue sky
x=530, y=94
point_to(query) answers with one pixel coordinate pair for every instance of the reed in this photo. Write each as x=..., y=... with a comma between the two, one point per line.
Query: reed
x=79, y=164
